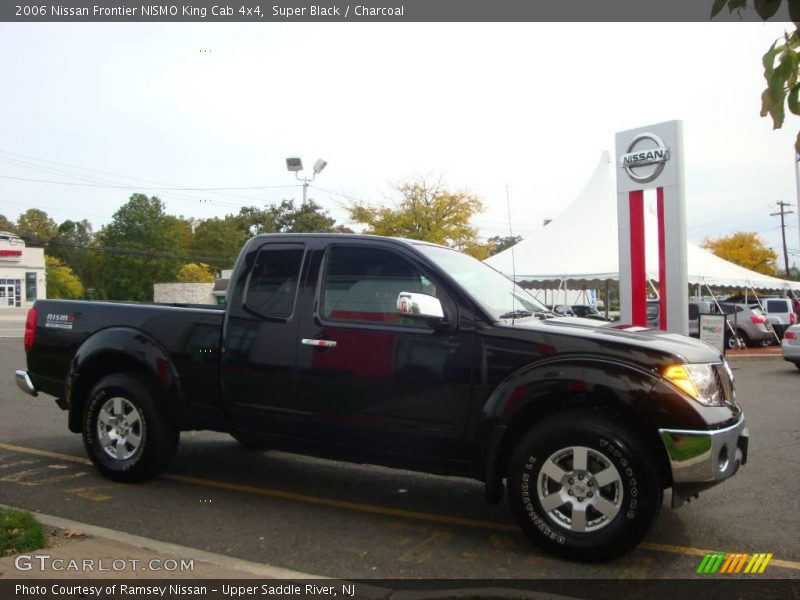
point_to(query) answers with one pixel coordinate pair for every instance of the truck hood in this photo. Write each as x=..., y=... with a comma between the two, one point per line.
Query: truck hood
x=586, y=335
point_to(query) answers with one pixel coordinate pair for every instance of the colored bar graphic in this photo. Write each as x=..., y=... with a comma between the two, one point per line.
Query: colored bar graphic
x=725, y=563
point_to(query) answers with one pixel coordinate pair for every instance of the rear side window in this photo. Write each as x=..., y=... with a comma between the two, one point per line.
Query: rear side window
x=362, y=284
x=272, y=285
x=777, y=306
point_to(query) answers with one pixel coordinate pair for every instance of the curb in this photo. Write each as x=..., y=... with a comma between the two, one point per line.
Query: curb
x=219, y=560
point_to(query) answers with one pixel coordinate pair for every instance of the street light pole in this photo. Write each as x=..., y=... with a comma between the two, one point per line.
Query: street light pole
x=295, y=165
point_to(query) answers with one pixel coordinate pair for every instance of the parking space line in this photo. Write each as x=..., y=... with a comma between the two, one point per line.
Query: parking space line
x=368, y=508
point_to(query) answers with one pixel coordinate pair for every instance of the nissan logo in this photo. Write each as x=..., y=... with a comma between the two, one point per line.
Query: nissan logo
x=645, y=163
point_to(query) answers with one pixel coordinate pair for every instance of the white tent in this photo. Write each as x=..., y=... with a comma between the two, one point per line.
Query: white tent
x=579, y=248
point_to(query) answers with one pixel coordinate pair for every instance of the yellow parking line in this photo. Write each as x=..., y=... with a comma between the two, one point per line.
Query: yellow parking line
x=368, y=508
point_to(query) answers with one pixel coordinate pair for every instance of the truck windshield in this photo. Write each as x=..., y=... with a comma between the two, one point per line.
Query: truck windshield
x=495, y=292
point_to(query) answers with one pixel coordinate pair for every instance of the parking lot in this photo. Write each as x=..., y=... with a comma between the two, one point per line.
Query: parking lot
x=354, y=521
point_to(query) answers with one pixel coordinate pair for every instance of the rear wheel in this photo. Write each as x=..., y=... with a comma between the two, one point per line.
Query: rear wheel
x=125, y=433
x=584, y=487
x=745, y=338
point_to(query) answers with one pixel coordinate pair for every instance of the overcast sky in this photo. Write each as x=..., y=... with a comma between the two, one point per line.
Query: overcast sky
x=529, y=106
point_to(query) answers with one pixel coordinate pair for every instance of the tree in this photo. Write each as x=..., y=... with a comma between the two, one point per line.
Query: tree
x=424, y=212
x=499, y=243
x=61, y=281
x=781, y=62
x=218, y=241
x=71, y=245
x=309, y=217
x=196, y=273
x=6, y=225
x=140, y=248
x=745, y=249
x=35, y=227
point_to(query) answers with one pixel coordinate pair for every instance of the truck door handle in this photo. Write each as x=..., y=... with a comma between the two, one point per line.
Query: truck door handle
x=318, y=343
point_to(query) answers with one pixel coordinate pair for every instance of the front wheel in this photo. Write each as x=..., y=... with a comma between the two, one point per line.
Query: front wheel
x=584, y=487
x=125, y=432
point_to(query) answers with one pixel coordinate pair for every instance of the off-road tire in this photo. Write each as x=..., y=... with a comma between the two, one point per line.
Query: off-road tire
x=637, y=491
x=151, y=439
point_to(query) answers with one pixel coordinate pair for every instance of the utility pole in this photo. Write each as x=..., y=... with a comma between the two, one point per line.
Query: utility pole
x=782, y=212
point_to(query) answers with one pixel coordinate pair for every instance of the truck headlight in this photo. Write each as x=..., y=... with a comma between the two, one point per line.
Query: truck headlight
x=698, y=381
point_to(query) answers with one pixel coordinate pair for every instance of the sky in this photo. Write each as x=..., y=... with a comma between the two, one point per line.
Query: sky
x=518, y=108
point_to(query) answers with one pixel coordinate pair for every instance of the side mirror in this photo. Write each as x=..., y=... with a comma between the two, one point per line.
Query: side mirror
x=419, y=305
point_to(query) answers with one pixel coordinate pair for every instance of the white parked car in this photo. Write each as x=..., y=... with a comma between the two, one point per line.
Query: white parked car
x=780, y=313
x=791, y=345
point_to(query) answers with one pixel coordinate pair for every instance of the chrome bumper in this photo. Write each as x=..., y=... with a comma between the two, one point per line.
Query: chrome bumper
x=24, y=383
x=705, y=456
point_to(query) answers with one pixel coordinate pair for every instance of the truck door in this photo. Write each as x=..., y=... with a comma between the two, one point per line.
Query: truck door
x=259, y=339
x=372, y=378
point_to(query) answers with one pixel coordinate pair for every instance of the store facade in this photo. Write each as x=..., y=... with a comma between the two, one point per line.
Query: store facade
x=22, y=275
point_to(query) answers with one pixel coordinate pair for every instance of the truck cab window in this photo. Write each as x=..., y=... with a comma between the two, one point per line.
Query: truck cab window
x=272, y=285
x=362, y=284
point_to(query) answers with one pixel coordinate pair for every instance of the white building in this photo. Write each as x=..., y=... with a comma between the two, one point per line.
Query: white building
x=22, y=278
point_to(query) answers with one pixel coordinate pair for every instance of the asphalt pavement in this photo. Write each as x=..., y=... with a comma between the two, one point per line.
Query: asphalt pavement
x=358, y=521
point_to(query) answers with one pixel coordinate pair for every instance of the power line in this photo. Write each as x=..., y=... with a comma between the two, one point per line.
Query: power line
x=118, y=176
x=137, y=187
x=128, y=251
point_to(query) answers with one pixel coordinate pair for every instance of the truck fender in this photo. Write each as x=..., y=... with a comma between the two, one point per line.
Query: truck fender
x=561, y=383
x=113, y=350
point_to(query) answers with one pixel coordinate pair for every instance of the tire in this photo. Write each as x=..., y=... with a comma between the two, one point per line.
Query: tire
x=615, y=519
x=130, y=449
x=745, y=338
x=250, y=442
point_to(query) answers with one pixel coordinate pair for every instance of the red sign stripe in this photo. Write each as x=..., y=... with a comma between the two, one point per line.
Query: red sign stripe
x=662, y=261
x=638, y=268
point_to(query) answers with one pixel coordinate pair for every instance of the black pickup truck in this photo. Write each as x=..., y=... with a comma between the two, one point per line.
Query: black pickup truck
x=405, y=354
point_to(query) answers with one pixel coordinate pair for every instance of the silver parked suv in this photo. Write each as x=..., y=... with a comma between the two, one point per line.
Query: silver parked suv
x=750, y=323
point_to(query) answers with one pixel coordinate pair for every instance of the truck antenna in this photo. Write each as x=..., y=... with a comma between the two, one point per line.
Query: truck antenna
x=513, y=261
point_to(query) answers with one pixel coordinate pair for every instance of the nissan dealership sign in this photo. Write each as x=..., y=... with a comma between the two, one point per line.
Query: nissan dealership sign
x=646, y=157
x=650, y=180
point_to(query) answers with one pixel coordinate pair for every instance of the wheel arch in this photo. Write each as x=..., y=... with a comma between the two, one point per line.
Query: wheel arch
x=615, y=390
x=117, y=350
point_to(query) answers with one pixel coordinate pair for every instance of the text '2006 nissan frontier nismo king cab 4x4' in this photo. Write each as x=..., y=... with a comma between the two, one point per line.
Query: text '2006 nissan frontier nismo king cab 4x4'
x=405, y=354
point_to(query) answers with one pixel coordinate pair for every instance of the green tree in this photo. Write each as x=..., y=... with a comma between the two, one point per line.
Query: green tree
x=6, y=225
x=61, y=281
x=218, y=241
x=36, y=227
x=781, y=62
x=181, y=228
x=309, y=217
x=499, y=243
x=746, y=249
x=140, y=248
x=71, y=245
x=196, y=273
x=424, y=212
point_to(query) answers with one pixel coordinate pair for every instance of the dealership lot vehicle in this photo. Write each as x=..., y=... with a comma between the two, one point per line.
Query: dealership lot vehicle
x=790, y=347
x=750, y=323
x=403, y=354
x=780, y=313
x=349, y=520
x=578, y=310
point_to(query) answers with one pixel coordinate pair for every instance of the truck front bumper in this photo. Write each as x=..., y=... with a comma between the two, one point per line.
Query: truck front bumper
x=701, y=459
x=24, y=383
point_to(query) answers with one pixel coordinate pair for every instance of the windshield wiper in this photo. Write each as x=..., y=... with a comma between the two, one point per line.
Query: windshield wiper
x=516, y=314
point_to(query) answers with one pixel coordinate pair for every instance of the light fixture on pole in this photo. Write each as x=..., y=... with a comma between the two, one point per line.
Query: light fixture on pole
x=295, y=165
